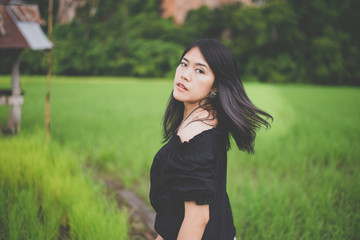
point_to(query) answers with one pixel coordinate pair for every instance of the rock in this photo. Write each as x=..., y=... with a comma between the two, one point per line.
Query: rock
x=178, y=9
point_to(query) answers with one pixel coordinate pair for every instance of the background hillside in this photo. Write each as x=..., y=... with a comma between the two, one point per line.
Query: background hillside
x=276, y=41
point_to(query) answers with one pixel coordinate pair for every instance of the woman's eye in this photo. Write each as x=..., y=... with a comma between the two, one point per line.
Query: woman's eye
x=183, y=64
x=199, y=71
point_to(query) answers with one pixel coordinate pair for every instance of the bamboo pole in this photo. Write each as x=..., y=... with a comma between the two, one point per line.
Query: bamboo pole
x=48, y=88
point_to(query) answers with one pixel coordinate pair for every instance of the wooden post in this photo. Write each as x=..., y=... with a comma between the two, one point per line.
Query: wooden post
x=15, y=74
x=48, y=88
x=16, y=100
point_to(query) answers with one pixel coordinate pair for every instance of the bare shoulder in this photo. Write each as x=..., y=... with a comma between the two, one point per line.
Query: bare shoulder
x=196, y=128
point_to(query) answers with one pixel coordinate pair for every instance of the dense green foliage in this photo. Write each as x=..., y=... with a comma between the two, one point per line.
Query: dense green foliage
x=280, y=41
x=302, y=182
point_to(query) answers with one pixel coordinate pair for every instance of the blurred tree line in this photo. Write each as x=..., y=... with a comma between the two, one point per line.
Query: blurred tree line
x=282, y=41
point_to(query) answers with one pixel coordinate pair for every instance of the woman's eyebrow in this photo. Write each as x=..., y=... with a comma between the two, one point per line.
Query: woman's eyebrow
x=200, y=64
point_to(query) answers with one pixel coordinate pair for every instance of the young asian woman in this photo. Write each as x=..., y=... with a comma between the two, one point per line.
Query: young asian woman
x=208, y=103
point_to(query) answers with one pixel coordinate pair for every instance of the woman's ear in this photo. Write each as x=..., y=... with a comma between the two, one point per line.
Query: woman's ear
x=213, y=93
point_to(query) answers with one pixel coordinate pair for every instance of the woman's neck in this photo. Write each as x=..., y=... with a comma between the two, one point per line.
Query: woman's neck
x=194, y=111
x=189, y=108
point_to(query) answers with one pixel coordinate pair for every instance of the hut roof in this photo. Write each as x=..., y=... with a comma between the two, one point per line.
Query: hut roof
x=20, y=27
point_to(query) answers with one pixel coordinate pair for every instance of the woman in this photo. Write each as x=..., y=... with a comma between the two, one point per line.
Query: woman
x=188, y=174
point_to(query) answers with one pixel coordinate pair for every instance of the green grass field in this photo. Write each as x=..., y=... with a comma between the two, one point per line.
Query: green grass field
x=303, y=181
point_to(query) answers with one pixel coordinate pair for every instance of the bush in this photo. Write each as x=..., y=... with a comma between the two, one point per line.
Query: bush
x=294, y=41
x=280, y=69
x=154, y=58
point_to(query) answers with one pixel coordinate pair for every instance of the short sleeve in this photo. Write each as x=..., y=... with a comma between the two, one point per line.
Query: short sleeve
x=193, y=172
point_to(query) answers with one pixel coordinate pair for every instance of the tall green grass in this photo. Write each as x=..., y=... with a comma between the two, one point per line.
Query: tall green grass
x=302, y=182
x=44, y=194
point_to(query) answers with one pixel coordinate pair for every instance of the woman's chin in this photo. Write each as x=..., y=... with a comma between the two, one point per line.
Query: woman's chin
x=178, y=96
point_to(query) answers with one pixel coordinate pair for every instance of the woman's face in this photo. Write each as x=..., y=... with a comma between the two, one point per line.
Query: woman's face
x=193, y=78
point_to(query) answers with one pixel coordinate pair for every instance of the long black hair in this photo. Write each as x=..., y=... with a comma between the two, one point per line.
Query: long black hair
x=236, y=114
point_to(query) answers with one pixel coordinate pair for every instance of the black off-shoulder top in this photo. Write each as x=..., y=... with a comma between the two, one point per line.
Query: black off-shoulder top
x=192, y=171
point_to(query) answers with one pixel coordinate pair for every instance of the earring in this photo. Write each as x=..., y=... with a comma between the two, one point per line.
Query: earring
x=212, y=94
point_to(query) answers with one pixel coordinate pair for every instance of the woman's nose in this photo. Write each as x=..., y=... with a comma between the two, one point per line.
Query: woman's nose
x=186, y=75
x=184, y=78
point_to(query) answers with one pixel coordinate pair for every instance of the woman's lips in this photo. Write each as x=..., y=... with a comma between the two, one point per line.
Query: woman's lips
x=181, y=87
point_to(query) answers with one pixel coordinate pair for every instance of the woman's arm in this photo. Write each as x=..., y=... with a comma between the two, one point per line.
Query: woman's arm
x=195, y=220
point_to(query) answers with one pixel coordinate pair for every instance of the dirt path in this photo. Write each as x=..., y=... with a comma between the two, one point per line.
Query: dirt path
x=142, y=217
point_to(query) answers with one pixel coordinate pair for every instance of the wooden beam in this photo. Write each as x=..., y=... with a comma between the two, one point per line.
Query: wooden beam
x=15, y=74
x=16, y=100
